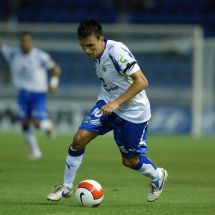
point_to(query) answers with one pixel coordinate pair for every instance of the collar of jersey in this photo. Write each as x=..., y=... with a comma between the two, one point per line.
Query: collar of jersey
x=26, y=55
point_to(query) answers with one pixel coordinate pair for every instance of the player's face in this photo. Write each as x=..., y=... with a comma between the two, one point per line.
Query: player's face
x=26, y=43
x=92, y=46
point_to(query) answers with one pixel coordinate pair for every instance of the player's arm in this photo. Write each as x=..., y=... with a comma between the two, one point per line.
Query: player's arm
x=6, y=51
x=139, y=83
x=54, y=80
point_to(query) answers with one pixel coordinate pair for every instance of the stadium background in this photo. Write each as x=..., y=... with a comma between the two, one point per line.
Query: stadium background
x=161, y=34
x=174, y=44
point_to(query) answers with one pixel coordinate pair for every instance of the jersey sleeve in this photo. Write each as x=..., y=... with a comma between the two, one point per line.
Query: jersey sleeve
x=47, y=60
x=123, y=60
x=8, y=52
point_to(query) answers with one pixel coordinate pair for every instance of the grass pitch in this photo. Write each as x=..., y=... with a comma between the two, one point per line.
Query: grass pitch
x=190, y=189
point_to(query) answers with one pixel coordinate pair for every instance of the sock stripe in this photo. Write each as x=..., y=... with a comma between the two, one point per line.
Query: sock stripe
x=75, y=153
x=143, y=160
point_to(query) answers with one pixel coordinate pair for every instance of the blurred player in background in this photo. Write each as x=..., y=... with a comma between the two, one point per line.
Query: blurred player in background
x=122, y=106
x=29, y=67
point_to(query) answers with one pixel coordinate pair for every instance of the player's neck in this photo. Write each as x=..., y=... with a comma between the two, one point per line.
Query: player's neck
x=102, y=50
x=26, y=52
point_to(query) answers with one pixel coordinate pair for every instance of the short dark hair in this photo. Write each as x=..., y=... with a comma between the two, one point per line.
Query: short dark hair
x=88, y=27
x=25, y=33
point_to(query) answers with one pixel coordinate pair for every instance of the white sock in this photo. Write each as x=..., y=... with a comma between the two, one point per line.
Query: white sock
x=71, y=167
x=31, y=141
x=149, y=171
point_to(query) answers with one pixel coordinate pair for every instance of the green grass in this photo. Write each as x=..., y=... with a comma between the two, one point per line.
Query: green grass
x=190, y=189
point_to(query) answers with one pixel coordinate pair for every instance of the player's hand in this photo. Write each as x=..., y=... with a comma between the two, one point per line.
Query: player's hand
x=52, y=89
x=109, y=107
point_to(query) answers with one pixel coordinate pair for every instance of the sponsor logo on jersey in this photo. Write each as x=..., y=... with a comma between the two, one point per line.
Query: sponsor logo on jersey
x=122, y=60
x=109, y=89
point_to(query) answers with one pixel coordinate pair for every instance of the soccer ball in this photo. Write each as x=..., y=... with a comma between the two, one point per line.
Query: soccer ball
x=89, y=193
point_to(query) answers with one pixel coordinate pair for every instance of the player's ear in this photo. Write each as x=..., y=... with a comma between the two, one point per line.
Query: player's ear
x=101, y=39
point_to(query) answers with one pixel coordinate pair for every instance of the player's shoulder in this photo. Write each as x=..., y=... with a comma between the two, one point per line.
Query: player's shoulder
x=40, y=53
x=115, y=47
x=37, y=50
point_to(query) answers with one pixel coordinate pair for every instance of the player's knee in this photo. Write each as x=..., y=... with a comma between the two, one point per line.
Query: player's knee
x=25, y=124
x=78, y=142
x=36, y=123
x=125, y=163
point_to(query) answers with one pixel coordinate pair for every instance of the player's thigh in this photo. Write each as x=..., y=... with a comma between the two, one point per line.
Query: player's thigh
x=82, y=138
x=24, y=107
x=95, y=121
x=131, y=138
x=94, y=124
x=39, y=106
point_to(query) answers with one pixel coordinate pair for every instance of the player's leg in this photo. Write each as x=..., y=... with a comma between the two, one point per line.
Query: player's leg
x=45, y=125
x=72, y=164
x=39, y=114
x=75, y=155
x=90, y=128
x=31, y=141
x=131, y=139
x=24, y=118
x=146, y=167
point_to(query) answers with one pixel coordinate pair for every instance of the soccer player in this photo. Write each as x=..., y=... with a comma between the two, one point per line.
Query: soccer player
x=29, y=67
x=122, y=106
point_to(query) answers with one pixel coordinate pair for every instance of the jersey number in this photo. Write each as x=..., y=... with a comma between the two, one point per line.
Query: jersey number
x=97, y=112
